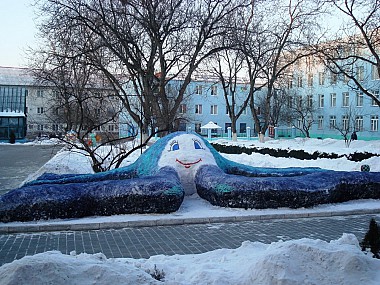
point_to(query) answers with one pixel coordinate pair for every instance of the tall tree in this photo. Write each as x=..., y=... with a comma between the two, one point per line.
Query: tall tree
x=82, y=100
x=275, y=37
x=152, y=42
x=227, y=67
x=355, y=46
x=300, y=112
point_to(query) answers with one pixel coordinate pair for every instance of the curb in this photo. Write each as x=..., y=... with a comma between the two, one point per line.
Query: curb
x=55, y=227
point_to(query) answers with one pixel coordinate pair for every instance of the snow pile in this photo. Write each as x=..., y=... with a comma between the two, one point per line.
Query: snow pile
x=303, y=261
x=56, y=268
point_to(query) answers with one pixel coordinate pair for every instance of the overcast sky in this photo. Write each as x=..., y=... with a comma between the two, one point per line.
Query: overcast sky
x=17, y=30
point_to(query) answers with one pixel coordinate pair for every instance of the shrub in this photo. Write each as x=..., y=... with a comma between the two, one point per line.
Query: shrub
x=371, y=239
x=156, y=273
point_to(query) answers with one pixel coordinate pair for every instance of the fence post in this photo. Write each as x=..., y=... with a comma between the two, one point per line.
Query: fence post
x=248, y=133
x=275, y=133
x=293, y=132
x=229, y=133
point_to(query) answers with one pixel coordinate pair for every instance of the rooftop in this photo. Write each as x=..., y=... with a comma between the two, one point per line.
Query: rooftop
x=15, y=76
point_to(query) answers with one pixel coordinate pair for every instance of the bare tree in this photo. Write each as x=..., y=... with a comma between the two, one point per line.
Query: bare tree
x=152, y=42
x=300, y=111
x=275, y=37
x=355, y=47
x=228, y=65
x=82, y=101
x=347, y=125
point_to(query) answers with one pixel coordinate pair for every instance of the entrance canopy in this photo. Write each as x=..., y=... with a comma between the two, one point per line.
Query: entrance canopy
x=211, y=126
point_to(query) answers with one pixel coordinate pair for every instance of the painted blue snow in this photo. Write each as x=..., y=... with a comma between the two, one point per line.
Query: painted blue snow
x=144, y=187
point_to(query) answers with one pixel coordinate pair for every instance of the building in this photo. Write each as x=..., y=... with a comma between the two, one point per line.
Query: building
x=203, y=102
x=14, y=87
x=338, y=105
x=29, y=109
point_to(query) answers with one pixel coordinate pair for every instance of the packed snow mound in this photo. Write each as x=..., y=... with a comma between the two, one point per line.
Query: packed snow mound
x=53, y=267
x=295, y=262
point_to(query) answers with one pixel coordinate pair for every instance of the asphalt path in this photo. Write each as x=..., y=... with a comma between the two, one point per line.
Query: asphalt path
x=18, y=161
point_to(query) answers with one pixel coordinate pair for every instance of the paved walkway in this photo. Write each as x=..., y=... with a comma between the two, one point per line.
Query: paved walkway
x=180, y=239
x=19, y=160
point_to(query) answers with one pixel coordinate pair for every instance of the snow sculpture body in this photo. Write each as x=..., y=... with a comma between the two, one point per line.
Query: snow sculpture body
x=178, y=164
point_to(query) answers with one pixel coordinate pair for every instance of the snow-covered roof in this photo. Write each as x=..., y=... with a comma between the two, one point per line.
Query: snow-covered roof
x=15, y=76
x=211, y=125
x=12, y=114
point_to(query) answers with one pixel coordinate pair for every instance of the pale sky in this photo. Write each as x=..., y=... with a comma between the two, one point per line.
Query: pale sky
x=17, y=30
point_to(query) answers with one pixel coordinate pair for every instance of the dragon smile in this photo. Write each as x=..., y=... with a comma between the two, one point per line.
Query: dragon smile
x=188, y=164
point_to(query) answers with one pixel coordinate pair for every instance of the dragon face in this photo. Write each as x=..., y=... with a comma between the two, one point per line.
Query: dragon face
x=186, y=153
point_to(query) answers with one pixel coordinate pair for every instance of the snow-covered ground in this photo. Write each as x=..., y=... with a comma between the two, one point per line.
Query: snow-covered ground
x=303, y=261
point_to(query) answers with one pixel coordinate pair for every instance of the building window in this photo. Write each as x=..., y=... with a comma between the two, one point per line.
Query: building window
x=182, y=109
x=299, y=81
x=321, y=100
x=359, y=123
x=332, y=122
x=376, y=94
x=374, y=73
x=290, y=82
x=198, y=89
x=26, y=92
x=214, y=90
x=333, y=78
x=40, y=110
x=57, y=95
x=321, y=78
x=40, y=127
x=111, y=128
x=198, y=109
x=360, y=73
x=214, y=110
x=320, y=122
x=243, y=128
x=374, y=123
x=244, y=88
x=40, y=93
x=310, y=79
x=359, y=99
x=345, y=122
x=244, y=110
x=299, y=123
x=345, y=99
x=333, y=99
x=299, y=102
x=290, y=101
x=55, y=127
x=309, y=101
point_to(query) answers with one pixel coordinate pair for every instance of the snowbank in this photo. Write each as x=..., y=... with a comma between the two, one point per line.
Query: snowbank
x=302, y=262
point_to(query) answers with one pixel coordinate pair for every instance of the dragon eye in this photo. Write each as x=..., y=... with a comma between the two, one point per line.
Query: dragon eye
x=174, y=146
x=197, y=145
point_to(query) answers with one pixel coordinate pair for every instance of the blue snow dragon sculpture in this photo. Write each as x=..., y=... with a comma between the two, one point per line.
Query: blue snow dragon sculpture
x=176, y=165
